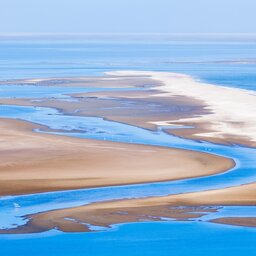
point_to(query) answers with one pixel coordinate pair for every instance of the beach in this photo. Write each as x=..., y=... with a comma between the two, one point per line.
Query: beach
x=32, y=162
x=173, y=207
x=231, y=117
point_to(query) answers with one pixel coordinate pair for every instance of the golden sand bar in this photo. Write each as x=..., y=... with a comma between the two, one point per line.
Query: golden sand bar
x=106, y=214
x=237, y=221
x=32, y=162
x=75, y=219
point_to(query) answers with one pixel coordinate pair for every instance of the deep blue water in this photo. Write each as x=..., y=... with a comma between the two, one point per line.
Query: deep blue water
x=150, y=239
x=225, y=63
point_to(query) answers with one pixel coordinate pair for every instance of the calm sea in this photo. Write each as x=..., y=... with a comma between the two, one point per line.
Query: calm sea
x=225, y=63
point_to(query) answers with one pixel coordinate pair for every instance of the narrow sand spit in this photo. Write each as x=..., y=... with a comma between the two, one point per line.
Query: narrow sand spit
x=237, y=221
x=105, y=214
x=214, y=113
x=233, y=110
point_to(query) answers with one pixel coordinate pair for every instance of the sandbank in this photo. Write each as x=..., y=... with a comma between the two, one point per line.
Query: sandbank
x=214, y=113
x=33, y=162
x=177, y=207
x=232, y=117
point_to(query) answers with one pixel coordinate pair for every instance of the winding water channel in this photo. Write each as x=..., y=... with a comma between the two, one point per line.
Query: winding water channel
x=100, y=129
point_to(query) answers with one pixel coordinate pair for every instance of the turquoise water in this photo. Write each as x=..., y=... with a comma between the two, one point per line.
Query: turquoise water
x=150, y=239
x=231, y=64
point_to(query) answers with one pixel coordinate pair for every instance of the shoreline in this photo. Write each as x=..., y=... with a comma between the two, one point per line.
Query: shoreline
x=218, y=114
x=232, y=117
x=173, y=208
x=64, y=163
x=169, y=208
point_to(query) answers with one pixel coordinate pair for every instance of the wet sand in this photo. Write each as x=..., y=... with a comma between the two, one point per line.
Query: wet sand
x=90, y=81
x=236, y=221
x=103, y=215
x=213, y=113
x=60, y=163
x=137, y=108
x=232, y=118
x=177, y=207
x=240, y=195
x=32, y=162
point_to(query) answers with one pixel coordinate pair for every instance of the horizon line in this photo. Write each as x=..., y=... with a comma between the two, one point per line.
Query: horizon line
x=131, y=36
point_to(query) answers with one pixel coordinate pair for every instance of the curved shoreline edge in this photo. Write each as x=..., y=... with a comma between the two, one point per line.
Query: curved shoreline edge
x=232, y=117
x=221, y=122
x=103, y=215
x=37, y=162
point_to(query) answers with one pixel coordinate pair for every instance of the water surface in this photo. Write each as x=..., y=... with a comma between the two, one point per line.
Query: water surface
x=229, y=63
x=223, y=63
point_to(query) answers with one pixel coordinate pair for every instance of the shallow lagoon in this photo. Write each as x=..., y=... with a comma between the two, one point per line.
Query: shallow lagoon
x=231, y=64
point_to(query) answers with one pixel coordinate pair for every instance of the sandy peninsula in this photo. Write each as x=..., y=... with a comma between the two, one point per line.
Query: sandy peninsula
x=232, y=114
x=214, y=113
x=140, y=108
x=174, y=207
x=32, y=162
x=236, y=221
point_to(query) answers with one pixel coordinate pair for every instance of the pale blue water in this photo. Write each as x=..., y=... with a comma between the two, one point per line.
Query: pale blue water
x=31, y=91
x=231, y=64
x=227, y=63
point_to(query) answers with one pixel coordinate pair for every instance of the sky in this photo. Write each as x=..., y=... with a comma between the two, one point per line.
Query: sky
x=127, y=16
